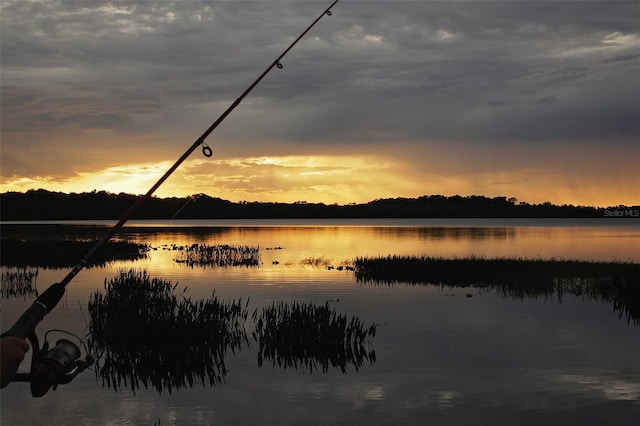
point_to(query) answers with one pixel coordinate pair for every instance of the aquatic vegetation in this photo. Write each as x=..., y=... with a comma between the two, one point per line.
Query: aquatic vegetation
x=617, y=283
x=146, y=334
x=218, y=255
x=20, y=282
x=66, y=253
x=317, y=262
x=293, y=335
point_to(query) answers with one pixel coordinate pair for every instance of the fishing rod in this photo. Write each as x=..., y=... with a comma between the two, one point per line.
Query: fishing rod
x=52, y=367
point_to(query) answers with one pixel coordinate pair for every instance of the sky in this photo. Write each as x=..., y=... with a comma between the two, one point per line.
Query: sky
x=539, y=101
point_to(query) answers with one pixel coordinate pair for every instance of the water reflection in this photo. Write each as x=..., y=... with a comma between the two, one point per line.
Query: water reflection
x=19, y=282
x=582, y=239
x=221, y=255
x=446, y=359
x=55, y=253
x=438, y=233
x=616, y=283
x=146, y=335
x=294, y=335
x=95, y=231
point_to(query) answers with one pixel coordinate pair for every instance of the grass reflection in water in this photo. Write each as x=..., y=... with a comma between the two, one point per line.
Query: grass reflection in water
x=617, y=283
x=65, y=253
x=20, y=282
x=147, y=335
x=295, y=334
x=219, y=255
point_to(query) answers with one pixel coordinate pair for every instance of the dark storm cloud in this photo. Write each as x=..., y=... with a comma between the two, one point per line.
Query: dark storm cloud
x=374, y=71
x=466, y=71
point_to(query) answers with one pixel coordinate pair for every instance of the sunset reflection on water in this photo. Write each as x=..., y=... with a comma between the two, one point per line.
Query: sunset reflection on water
x=441, y=355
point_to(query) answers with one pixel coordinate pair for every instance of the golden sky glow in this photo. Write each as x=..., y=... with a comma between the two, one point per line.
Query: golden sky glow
x=338, y=179
x=537, y=101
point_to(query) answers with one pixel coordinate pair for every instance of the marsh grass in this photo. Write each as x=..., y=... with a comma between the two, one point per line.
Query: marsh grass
x=19, y=282
x=147, y=334
x=617, y=283
x=317, y=261
x=221, y=255
x=297, y=335
x=66, y=253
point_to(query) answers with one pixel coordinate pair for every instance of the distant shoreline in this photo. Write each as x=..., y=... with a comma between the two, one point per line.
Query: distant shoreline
x=42, y=205
x=485, y=222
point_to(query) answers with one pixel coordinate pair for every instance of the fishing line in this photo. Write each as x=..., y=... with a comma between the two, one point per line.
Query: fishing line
x=189, y=199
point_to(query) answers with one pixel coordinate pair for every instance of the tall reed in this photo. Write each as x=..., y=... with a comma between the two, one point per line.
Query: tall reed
x=219, y=255
x=617, y=283
x=148, y=335
x=20, y=282
x=293, y=335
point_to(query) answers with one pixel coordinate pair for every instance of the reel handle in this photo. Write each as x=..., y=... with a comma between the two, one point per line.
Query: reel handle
x=22, y=377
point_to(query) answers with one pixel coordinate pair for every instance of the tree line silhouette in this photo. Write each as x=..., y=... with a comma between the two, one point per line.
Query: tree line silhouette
x=102, y=205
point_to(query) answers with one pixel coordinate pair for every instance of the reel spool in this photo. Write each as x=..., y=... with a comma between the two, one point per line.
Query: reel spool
x=54, y=366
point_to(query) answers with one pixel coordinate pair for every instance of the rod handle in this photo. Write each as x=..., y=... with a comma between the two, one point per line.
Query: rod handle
x=25, y=325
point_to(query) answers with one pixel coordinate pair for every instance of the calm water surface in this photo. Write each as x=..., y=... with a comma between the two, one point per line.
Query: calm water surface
x=442, y=357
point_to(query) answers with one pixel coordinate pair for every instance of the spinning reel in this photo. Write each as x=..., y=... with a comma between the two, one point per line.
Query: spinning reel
x=54, y=366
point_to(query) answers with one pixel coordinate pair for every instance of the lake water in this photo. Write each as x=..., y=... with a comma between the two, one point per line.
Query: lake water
x=442, y=357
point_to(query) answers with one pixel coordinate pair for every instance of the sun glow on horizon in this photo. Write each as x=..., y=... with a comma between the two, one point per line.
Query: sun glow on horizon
x=132, y=178
x=327, y=179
